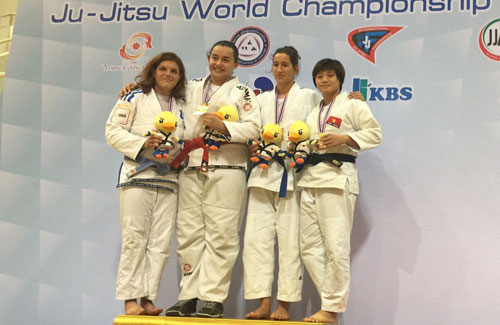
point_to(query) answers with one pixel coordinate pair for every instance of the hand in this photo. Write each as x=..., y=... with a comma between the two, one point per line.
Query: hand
x=213, y=122
x=332, y=140
x=254, y=147
x=291, y=147
x=153, y=141
x=127, y=88
x=356, y=95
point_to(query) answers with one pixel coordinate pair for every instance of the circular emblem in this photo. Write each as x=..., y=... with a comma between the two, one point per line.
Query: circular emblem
x=489, y=40
x=247, y=106
x=136, y=45
x=186, y=267
x=253, y=45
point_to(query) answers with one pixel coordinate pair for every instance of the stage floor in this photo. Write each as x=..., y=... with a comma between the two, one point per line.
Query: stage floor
x=158, y=320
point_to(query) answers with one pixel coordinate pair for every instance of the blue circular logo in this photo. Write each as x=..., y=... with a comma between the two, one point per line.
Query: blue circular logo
x=253, y=45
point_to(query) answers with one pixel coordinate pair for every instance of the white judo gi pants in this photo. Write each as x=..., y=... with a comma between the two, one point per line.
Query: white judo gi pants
x=270, y=216
x=208, y=225
x=147, y=217
x=326, y=216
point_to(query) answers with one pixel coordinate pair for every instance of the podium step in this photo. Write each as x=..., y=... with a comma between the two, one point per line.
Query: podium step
x=158, y=320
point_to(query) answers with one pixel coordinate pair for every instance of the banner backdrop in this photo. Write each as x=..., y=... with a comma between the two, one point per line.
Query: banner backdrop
x=425, y=240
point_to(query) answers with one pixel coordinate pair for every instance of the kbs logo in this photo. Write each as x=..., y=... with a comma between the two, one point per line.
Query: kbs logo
x=252, y=44
x=366, y=40
x=136, y=46
x=381, y=93
x=489, y=40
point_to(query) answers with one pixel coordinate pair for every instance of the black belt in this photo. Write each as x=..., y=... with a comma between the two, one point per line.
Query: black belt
x=337, y=159
x=137, y=184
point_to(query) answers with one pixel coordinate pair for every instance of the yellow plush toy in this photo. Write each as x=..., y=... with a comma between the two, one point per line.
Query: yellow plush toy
x=298, y=134
x=166, y=123
x=271, y=136
x=214, y=138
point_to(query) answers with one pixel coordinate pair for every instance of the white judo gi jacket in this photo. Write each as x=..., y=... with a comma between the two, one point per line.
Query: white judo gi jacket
x=299, y=104
x=132, y=116
x=347, y=116
x=235, y=152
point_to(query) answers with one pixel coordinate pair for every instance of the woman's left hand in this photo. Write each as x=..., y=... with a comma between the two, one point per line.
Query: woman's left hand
x=213, y=122
x=332, y=140
x=356, y=95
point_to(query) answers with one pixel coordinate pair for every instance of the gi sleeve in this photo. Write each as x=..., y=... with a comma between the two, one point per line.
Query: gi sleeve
x=118, y=127
x=248, y=126
x=367, y=132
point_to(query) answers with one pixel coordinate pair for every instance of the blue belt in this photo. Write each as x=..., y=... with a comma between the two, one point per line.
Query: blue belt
x=145, y=163
x=284, y=177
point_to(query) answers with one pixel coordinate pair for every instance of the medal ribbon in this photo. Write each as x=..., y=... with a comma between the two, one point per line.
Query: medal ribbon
x=279, y=111
x=170, y=104
x=207, y=96
x=322, y=123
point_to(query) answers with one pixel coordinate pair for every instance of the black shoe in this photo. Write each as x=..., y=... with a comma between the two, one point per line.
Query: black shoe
x=211, y=309
x=183, y=308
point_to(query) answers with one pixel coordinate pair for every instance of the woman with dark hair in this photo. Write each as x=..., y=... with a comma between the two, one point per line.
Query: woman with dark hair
x=270, y=215
x=147, y=186
x=343, y=127
x=212, y=187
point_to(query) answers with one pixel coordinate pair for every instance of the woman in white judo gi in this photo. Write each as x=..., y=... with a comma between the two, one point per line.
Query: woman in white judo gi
x=213, y=186
x=148, y=198
x=329, y=185
x=269, y=215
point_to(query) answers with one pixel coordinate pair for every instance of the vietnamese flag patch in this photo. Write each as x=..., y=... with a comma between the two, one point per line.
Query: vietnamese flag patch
x=334, y=121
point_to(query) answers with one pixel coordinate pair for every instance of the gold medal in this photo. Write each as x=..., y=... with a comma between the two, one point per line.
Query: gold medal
x=200, y=110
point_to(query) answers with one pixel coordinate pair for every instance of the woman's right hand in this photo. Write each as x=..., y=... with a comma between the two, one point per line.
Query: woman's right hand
x=127, y=88
x=253, y=147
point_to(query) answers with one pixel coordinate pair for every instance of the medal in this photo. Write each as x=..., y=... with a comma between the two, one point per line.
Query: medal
x=200, y=110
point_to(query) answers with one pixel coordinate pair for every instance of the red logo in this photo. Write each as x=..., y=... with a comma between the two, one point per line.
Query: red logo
x=136, y=46
x=186, y=267
x=247, y=106
x=366, y=40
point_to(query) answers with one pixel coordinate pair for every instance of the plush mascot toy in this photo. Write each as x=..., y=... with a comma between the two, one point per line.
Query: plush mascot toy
x=214, y=138
x=298, y=134
x=166, y=123
x=271, y=136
